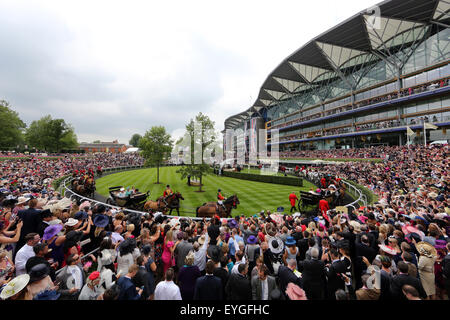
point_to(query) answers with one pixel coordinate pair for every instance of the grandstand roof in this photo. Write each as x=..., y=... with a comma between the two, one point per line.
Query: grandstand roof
x=325, y=55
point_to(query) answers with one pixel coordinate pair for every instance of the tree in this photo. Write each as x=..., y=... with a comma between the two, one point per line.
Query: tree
x=96, y=141
x=11, y=127
x=204, y=125
x=156, y=146
x=51, y=135
x=134, y=141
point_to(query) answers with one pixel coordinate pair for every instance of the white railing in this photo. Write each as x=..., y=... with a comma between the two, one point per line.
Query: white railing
x=361, y=197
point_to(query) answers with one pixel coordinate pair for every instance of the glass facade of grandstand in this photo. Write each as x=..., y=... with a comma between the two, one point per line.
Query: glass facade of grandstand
x=361, y=84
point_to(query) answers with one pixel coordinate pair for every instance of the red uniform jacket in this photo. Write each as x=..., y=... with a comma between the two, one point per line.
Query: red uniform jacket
x=292, y=198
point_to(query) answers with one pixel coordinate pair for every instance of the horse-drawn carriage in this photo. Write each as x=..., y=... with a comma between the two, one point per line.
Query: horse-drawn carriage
x=133, y=201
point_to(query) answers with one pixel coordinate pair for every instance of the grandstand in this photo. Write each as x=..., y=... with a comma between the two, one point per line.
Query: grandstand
x=360, y=83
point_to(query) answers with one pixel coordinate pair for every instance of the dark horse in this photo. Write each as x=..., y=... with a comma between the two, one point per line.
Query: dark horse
x=171, y=202
x=209, y=209
x=87, y=189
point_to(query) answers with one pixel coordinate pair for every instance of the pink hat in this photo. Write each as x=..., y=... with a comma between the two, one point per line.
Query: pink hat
x=294, y=292
x=407, y=229
x=362, y=218
x=387, y=249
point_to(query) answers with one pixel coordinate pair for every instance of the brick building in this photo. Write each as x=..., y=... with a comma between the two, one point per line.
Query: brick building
x=113, y=147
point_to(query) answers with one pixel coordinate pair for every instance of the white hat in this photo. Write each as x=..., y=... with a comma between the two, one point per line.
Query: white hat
x=15, y=286
x=71, y=222
x=276, y=245
x=22, y=200
x=54, y=221
x=122, y=189
x=296, y=214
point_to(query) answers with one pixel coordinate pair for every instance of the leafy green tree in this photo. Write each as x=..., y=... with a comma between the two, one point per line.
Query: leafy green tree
x=202, y=138
x=156, y=146
x=51, y=135
x=11, y=127
x=134, y=141
x=96, y=141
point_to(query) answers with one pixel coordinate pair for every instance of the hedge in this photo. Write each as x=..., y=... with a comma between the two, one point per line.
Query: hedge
x=56, y=183
x=291, y=181
x=371, y=197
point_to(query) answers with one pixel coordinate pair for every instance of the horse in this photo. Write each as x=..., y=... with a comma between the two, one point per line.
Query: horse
x=171, y=202
x=209, y=209
x=87, y=189
x=99, y=172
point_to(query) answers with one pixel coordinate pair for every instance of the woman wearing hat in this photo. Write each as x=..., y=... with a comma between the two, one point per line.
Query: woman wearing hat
x=17, y=289
x=128, y=252
x=187, y=277
x=40, y=279
x=291, y=252
x=427, y=258
x=106, y=259
x=252, y=251
x=92, y=289
x=55, y=242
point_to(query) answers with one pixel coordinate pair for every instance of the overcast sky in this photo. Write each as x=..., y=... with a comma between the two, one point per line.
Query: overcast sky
x=115, y=68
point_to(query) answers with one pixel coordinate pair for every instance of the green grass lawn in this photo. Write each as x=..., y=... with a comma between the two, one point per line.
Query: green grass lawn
x=253, y=196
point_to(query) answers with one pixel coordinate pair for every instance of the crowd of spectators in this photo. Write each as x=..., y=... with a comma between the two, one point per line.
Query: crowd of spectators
x=432, y=85
x=394, y=249
x=364, y=127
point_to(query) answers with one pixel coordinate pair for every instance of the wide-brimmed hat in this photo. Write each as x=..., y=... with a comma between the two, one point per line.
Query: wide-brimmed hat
x=277, y=218
x=280, y=209
x=276, y=245
x=22, y=200
x=232, y=223
x=101, y=221
x=55, y=205
x=85, y=204
x=38, y=272
x=47, y=295
x=294, y=292
x=71, y=222
x=440, y=244
x=252, y=239
x=426, y=249
x=290, y=241
x=387, y=249
x=407, y=229
x=54, y=222
x=15, y=286
x=106, y=258
x=201, y=240
x=51, y=231
x=433, y=195
x=74, y=236
x=356, y=225
x=270, y=229
x=81, y=215
x=214, y=252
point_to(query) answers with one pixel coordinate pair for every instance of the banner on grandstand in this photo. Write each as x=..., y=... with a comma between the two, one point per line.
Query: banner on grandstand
x=409, y=132
x=430, y=126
